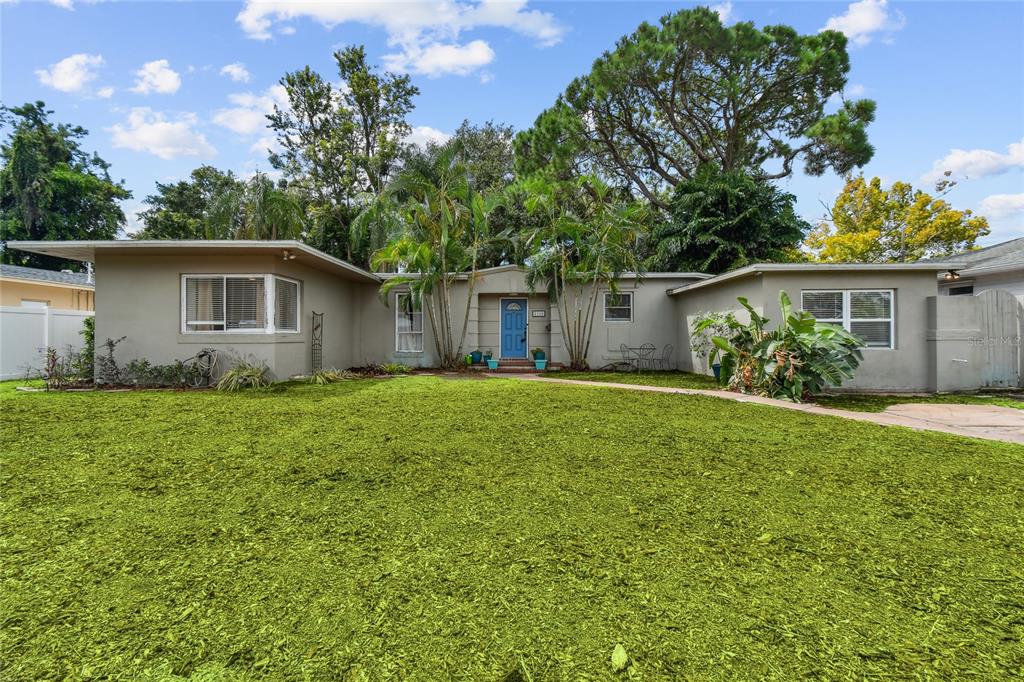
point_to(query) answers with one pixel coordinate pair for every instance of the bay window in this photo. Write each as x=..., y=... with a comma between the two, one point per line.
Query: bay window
x=260, y=303
x=868, y=313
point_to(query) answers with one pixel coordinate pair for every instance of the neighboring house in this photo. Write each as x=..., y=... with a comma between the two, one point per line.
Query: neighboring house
x=1000, y=266
x=36, y=288
x=257, y=299
x=40, y=309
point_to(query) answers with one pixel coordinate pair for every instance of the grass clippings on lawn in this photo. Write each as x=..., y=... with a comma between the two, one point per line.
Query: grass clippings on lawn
x=428, y=529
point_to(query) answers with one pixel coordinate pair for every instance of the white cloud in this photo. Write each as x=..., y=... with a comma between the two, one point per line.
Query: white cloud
x=71, y=74
x=724, y=11
x=422, y=135
x=265, y=145
x=236, y=72
x=157, y=76
x=855, y=90
x=864, y=19
x=64, y=4
x=105, y=92
x=437, y=59
x=1003, y=205
x=248, y=116
x=131, y=208
x=426, y=33
x=152, y=132
x=977, y=163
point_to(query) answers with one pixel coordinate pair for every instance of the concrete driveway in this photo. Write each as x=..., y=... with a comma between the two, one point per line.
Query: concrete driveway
x=977, y=421
x=983, y=421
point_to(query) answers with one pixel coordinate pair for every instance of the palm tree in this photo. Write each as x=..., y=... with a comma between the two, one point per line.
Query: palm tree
x=256, y=210
x=585, y=240
x=436, y=228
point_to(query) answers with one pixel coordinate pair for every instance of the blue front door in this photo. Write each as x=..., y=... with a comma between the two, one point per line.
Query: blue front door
x=513, y=328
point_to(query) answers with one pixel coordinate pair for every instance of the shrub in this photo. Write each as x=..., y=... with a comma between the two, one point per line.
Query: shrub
x=393, y=368
x=85, y=362
x=244, y=374
x=107, y=371
x=59, y=371
x=142, y=373
x=710, y=325
x=798, y=359
x=330, y=376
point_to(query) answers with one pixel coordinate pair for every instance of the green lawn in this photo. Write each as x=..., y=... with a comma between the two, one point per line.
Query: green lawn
x=670, y=379
x=497, y=529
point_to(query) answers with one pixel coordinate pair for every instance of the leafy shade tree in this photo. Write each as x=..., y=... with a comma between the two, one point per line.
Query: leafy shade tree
x=586, y=238
x=895, y=225
x=338, y=146
x=50, y=188
x=255, y=210
x=439, y=229
x=722, y=220
x=181, y=210
x=690, y=91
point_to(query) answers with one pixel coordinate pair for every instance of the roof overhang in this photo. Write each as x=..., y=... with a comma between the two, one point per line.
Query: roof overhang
x=981, y=270
x=760, y=268
x=303, y=253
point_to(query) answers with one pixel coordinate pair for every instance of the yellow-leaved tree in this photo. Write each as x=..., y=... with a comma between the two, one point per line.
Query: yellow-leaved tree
x=875, y=224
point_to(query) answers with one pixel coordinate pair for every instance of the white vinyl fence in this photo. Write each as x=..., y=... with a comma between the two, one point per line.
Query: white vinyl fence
x=25, y=333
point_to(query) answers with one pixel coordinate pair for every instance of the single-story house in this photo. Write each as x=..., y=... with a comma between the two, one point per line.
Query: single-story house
x=259, y=299
x=38, y=288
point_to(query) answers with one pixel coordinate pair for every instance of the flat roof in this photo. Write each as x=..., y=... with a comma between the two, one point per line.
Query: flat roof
x=87, y=250
x=758, y=268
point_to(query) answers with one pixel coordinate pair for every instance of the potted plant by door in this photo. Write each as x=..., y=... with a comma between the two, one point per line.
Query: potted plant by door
x=477, y=357
x=540, y=358
x=492, y=364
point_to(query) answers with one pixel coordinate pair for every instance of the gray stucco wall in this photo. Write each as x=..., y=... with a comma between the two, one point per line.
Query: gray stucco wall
x=141, y=300
x=653, y=321
x=905, y=367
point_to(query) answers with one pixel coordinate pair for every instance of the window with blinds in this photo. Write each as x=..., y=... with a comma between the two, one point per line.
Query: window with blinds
x=286, y=312
x=866, y=313
x=408, y=325
x=239, y=303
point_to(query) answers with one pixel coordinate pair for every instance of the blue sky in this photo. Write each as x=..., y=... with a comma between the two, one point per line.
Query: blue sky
x=166, y=86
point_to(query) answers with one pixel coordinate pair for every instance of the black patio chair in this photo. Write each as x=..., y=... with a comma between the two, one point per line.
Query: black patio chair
x=665, y=361
x=645, y=356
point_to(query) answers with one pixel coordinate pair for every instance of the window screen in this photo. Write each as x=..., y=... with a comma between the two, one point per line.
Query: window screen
x=246, y=305
x=204, y=304
x=239, y=303
x=408, y=325
x=618, y=307
x=286, y=313
x=868, y=314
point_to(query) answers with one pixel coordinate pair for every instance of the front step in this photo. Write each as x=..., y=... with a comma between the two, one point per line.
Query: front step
x=517, y=367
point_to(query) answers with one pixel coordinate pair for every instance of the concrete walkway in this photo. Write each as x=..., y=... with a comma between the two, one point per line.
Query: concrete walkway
x=974, y=421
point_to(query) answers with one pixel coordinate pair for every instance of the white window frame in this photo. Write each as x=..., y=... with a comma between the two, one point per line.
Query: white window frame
x=269, y=304
x=398, y=310
x=272, y=296
x=847, y=318
x=604, y=305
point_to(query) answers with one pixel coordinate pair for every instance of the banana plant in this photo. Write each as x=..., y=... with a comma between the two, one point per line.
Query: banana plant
x=793, y=361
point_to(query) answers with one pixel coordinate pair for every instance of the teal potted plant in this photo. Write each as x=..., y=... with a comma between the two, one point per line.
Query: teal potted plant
x=477, y=356
x=540, y=358
x=492, y=364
